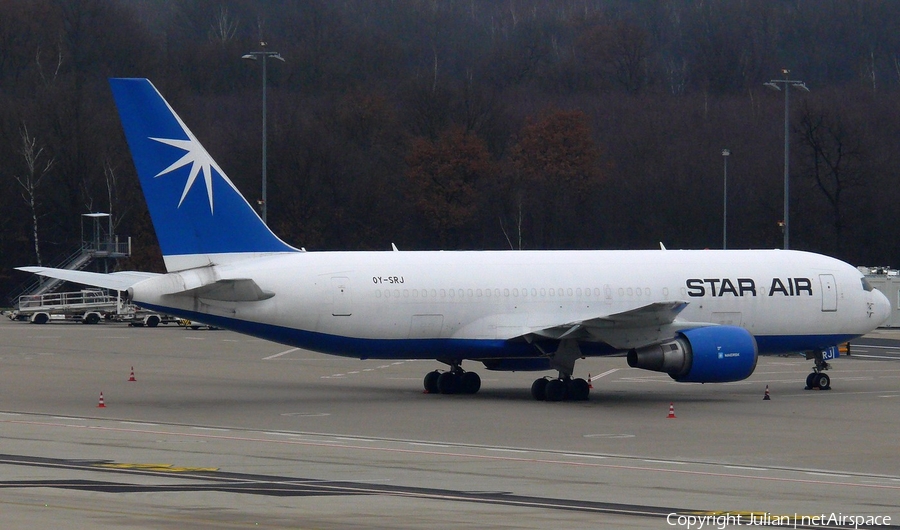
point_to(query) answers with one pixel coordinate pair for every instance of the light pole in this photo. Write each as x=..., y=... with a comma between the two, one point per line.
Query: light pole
x=253, y=56
x=788, y=83
x=725, y=153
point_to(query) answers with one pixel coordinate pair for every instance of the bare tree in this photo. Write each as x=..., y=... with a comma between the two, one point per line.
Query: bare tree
x=833, y=158
x=223, y=28
x=37, y=167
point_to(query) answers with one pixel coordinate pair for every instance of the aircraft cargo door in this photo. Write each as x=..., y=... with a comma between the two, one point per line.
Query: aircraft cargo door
x=829, y=292
x=341, y=301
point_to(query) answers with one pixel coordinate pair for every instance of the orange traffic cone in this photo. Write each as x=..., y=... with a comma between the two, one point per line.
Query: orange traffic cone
x=101, y=405
x=132, y=375
x=590, y=385
x=671, y=411
x=766, y=397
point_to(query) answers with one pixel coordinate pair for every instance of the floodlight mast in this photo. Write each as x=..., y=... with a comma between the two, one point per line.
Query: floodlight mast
x=253, y=56
x=788, y=84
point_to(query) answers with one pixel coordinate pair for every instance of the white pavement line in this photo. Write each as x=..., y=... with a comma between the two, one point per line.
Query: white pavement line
x=280, y=354
x=604, y=374
x=431, y=454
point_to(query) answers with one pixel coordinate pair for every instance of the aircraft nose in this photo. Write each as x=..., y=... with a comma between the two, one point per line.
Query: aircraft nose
x=881, y=307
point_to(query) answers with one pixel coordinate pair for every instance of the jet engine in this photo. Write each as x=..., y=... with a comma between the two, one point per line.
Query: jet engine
x=713, y=354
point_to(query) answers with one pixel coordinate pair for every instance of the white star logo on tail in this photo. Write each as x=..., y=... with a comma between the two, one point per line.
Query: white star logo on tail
x=197, y=157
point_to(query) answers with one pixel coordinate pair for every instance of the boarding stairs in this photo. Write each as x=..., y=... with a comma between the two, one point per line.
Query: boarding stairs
x=96, y=244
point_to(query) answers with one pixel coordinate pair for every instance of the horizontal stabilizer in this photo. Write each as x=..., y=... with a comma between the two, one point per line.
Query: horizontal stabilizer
x=236, y=290
x=119, y=281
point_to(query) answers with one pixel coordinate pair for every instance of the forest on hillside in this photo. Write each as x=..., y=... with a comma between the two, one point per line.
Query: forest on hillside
x=467, y=124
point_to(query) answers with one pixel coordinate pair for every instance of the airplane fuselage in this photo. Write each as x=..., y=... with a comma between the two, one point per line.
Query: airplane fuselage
x=469, y=304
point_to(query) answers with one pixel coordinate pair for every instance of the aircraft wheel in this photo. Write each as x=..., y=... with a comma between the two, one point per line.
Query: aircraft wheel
x=556, y=390
x=469, y=383
x=822, y=381
x=431, y=379
x=448, y=383
x=579, y=390
x=809, y=380
x=539, y=389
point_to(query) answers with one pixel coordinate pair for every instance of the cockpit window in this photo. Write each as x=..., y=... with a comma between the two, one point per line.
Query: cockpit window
x=866, y=285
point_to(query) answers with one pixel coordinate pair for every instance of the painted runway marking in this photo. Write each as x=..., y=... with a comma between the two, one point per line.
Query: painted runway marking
x=366, y=370
x=602, y=375
x=277, y=355
x=879, y=357
x=861, y=480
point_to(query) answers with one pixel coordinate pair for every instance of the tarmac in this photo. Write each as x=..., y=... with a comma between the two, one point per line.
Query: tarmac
x=220, y=430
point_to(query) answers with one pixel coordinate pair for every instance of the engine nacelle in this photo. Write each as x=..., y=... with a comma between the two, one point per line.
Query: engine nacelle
x=713, y=354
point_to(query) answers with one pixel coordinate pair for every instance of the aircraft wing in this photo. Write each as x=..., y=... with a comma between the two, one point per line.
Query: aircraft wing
x=119, y=281
x=643, y=325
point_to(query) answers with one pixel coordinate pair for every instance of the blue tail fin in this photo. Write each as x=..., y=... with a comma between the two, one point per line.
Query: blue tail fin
x=199, y=215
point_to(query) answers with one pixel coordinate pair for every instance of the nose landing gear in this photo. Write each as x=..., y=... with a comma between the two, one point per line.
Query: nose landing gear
x=818, y=379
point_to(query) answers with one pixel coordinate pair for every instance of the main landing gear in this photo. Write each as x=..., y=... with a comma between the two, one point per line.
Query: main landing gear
x=818, y=379
x=456, y=381
x=563, y=388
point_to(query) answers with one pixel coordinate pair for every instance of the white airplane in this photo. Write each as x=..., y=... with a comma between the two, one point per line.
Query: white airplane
x=700, y=316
